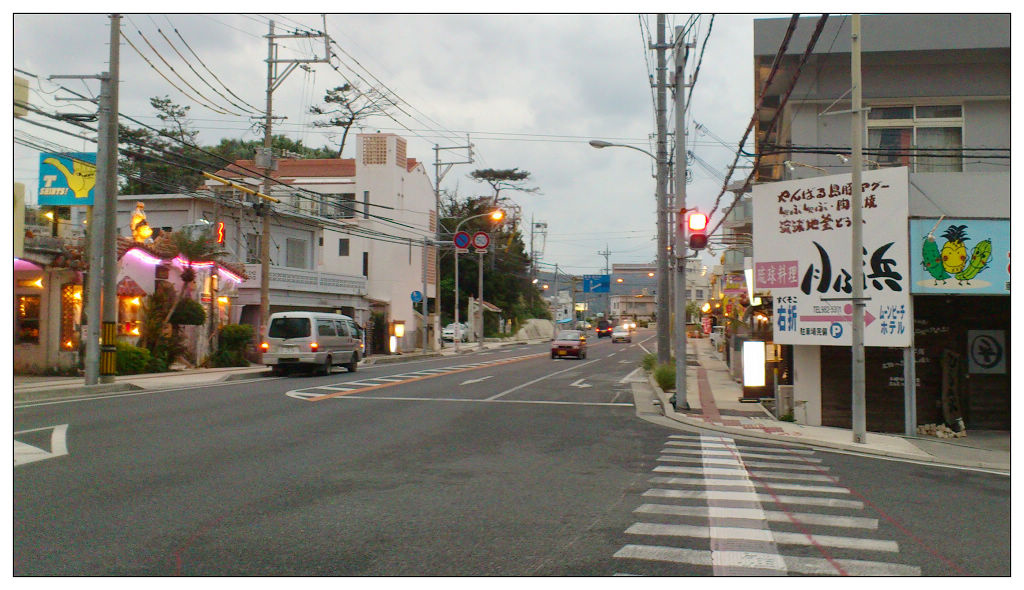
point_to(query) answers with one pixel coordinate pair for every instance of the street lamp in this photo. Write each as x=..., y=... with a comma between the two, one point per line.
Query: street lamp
x=664, y=315
x=496, y=215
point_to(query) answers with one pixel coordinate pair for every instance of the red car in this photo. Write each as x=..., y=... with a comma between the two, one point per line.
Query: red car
x=569, y=343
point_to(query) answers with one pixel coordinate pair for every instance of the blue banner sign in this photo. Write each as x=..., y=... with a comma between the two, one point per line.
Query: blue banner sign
x=67, y=179
x=960, y=256
x=596, y=283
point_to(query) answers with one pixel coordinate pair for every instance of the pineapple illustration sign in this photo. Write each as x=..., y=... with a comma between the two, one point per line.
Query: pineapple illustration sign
x=67, y=179
x=960, y=256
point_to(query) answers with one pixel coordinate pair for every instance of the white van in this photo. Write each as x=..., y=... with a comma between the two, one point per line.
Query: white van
x=312, y=340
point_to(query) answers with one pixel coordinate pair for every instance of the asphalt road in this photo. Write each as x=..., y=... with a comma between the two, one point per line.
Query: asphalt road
x=504, y=463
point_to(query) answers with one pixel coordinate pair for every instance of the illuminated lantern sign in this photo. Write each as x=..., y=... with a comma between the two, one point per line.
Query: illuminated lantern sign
x=220, y=232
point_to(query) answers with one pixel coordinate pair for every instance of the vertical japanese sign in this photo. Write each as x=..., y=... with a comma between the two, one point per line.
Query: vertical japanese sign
x=803, y=251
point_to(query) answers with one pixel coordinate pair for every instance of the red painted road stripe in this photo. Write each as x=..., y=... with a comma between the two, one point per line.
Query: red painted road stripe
x=707, y=400
x=414, y=379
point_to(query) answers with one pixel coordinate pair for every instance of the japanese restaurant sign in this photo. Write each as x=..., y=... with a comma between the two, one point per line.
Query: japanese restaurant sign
x=803, y=254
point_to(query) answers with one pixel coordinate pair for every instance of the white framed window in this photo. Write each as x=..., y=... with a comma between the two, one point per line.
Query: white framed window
x=295, y=253
x=926, y=127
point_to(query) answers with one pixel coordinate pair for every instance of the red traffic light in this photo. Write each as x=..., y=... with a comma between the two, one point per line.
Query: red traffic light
x=698, y=221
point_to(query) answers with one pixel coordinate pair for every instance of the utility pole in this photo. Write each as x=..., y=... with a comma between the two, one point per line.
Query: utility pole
x=265, y=161
x=438, y=176
x=101, y=283
x=558, y=300
x=680, y=52
x=108, y=352
x=608, y=295
x=859, y=421
x=664, y=316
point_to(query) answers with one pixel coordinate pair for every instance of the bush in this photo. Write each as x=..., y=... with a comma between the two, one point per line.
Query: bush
x=665, y=376
x=232, y=342
x=131, y=360
x=649, y=361
x=156, y=364
x=188, y=313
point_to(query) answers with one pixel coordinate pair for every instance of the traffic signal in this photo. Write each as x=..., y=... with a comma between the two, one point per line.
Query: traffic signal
x=698, y=225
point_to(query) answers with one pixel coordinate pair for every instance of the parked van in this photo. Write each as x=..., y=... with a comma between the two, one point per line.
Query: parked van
x=312, y=340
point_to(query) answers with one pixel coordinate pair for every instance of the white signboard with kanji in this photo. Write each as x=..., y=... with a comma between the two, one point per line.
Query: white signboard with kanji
x=803, y=254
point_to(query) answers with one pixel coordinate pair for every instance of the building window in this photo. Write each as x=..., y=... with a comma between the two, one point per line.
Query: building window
x=70, y=315
x=342, y=246
x=366, y=264
x=700, y=294
x=252, y=248
x=934, y=131
x=26, y=329
x=295, y=253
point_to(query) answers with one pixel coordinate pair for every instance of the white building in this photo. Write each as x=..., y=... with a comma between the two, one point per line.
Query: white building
x=346, y=235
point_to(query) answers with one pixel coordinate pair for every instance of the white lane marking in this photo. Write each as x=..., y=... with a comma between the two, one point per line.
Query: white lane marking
x=672, y=443
x=795, y=487
x=538, y=380
x=341, y=387
x=477, y=380
x=26, y=453
x=736, y=473
x=388, y=379
x=634, y=376
x=580, y=383
x=493, y=401
x=767, y=465
x=807, y=518
x=764, y=535
x=714, y=453
x=801, y=565
x=752, y=497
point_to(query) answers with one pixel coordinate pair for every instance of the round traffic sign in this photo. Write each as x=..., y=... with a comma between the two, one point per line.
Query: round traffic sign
x=481, y=240
x=416, y=296
x=462, y=239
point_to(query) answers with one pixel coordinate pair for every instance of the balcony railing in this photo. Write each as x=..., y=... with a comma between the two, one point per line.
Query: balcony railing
x=298, y=279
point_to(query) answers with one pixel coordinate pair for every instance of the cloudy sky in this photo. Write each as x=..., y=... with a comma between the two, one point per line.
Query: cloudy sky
x=529, y=90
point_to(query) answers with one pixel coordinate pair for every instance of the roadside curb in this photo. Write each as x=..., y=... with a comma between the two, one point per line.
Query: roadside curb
x=671, y=414
x=29, y=395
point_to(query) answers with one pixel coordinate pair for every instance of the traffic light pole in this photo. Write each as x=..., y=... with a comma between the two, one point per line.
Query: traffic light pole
x=680, y=51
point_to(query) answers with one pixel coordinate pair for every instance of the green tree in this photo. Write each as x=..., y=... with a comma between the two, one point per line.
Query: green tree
x=164, y=160
x=499, y=180
x=345, y=106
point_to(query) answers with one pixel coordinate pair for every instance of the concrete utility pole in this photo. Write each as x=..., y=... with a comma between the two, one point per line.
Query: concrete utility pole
x=664, y=316
x=265, y=161
x=680, y=52
x=101, y=283
x=859, y=421
x=438, y=176
x=108, y=353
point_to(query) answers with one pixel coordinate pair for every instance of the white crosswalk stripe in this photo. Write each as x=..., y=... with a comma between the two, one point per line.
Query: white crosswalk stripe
x=754, y=505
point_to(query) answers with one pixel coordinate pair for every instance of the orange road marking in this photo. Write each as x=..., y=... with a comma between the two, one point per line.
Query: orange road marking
x=413, y=379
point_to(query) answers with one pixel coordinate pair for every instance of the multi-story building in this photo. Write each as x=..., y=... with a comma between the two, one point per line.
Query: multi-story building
x=346, y=234
x=937, y=92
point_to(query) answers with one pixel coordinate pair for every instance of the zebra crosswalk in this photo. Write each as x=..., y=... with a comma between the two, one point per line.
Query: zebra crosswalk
x=321, y=392
x=758, y=510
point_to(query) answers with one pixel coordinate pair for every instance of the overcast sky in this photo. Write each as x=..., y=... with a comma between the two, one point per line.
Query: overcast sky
x=529, y=90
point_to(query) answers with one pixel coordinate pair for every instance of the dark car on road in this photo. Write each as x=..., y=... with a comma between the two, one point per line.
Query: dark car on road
x=604, y=328
x=569, y=343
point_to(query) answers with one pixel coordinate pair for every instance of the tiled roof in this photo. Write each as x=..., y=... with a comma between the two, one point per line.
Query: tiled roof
x=331, y=167
x=163, y=248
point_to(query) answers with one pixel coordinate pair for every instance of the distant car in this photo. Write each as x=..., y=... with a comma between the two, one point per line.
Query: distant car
x=629, y=324
x=449, y=331
x=604, y=328
x=622, y=334
x=569, y=343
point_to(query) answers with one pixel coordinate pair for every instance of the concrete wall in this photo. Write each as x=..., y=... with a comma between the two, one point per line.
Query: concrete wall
x=807, y=384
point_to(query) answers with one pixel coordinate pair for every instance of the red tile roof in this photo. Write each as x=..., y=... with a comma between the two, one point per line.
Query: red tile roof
x=332, y=167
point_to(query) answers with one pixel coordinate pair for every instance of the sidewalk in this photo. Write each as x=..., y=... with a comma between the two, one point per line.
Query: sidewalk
x=36, y=388
x=713, y=397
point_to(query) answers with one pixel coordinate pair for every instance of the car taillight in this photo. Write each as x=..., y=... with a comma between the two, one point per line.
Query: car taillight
x=265, y=346
x=314, y=346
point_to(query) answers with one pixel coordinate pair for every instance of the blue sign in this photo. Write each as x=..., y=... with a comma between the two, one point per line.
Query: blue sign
x=462, y=239
x=416, y=296
x=596, y=283
x=67, y=179
x=960, y=256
